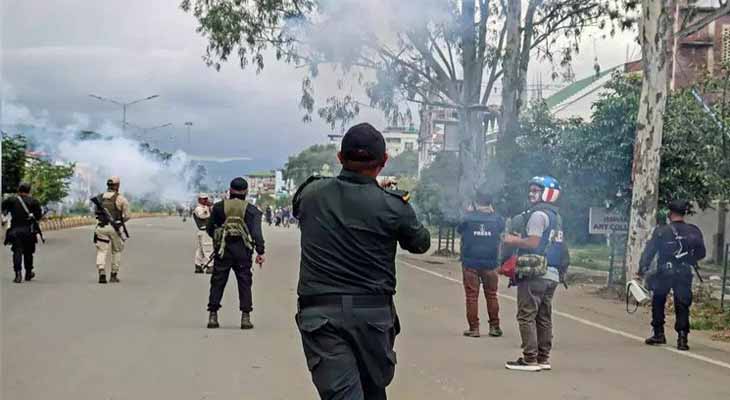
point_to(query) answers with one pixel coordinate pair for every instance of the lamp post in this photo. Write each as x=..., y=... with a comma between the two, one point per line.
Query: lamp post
x=124, y=105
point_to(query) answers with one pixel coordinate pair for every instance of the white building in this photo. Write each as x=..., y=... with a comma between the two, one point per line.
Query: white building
x=397, y=140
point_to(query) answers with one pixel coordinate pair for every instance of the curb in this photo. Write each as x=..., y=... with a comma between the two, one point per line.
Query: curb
x=73, y=222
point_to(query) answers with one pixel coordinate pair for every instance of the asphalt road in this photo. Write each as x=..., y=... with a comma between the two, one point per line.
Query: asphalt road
x=65, y=337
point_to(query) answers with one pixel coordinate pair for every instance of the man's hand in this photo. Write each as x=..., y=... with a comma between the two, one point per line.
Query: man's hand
x=387, y=183
x=510, y=239
x=260, y=260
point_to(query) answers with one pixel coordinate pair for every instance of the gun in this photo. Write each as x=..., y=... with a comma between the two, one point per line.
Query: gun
x=35, y=228
x=105, y=217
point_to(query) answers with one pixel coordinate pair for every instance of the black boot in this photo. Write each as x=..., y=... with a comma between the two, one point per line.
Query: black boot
x=29, y=275
x=682, y=341
x=656, y=339
x=246, y=321
x=213, y=320
x=114, y=278
x=198, y=269
x=18, y=277
x=102, y=277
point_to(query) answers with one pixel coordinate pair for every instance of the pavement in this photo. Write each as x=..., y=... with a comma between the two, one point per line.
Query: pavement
x=66, y=337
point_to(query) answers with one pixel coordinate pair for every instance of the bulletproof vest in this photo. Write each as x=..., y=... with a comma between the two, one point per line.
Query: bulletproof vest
x=202, y=223
x=551, y=243
x=234, y=228
x=481, y=236
x=110, y=204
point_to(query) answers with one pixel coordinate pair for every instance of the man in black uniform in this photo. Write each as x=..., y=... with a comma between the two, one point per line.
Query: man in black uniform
x=680, y=247
x=22, y=235
x=235, y=226
x=350, y=230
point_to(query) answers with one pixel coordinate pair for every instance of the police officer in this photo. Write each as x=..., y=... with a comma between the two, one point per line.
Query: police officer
x=350, y=229
x=204, y=243
x=679, y=246
x=481, y=229
x=22, y=236
x=108, y=234
x=541, y=252
x=235, y=226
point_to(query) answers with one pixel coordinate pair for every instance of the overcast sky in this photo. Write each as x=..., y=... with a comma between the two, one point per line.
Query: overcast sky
x=56, y=52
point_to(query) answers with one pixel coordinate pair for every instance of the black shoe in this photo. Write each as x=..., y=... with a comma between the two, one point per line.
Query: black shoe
x=682, y=342
x=656, y=339
x=198, y=269
x=114, y=278
x=209, y=270
x=522, y=365
x=246, y=321
x=18, y=277
x=102, y=278
x=213, y=320
x=29, y=275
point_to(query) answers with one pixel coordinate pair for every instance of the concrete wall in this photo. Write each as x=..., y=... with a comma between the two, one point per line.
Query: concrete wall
x=707, y=222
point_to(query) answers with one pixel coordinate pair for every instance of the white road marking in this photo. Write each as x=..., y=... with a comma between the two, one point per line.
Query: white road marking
x=583, y=321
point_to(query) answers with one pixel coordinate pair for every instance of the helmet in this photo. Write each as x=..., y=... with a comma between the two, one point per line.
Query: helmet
x=113, y=180
x=550, y=188
x=202, y=195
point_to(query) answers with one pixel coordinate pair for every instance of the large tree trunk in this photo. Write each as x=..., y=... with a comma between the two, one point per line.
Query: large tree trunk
x=656, y=32
x=509, y=124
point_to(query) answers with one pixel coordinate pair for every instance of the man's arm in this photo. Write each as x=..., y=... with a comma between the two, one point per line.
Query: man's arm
x=412, y=235
x=700, y=251
x=254, y=223
x=649, y=252
x=123, y=206
x=6, y=205
x=216, y=219
x=536, y=226
x=35, y=209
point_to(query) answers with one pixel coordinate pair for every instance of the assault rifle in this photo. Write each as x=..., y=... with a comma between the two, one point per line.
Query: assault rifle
x=105, y=217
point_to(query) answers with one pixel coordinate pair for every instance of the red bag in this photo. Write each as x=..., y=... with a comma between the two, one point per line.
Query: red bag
x=509, y=267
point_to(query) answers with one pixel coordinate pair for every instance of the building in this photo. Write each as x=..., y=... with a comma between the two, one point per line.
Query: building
x=261, y=183
x=397, y=140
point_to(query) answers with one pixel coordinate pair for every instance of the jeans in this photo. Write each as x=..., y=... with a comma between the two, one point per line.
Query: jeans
x=534, y=315
x=490, y=280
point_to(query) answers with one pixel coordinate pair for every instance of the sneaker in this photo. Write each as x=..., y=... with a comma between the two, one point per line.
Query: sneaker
x=102, y=278
x=522, y=365
x=495, y=331
x=472, y=333
x=544, y=365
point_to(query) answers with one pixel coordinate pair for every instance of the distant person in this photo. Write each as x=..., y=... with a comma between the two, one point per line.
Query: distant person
x=351, y=228
x=204, y=243
x=268, y=214
x=108, y=234
x=541, y=256
x=235, y=226
x=679, y=246
x=22, y=236
x=481, y=229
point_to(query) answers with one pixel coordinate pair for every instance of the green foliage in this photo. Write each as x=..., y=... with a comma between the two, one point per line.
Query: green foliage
x=404, y=164
x=13, y=161
x=436, y=196
x=50, y=182
x=311, y=161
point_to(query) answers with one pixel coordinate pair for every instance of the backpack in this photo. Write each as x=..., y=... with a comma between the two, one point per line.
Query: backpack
x=234, y=227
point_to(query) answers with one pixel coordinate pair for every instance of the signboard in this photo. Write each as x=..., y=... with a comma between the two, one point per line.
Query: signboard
x=602, y=222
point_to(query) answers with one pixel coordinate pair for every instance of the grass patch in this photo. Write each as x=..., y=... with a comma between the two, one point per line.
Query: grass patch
x=706, y=314
x=592, y=256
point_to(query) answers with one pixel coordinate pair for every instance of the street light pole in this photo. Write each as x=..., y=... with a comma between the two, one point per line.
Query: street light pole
x=124, y=105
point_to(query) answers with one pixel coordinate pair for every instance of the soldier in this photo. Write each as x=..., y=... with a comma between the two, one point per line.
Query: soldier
x=678, y=247
x=235, y=226
x=204, y=250
x=22, y=236
x=112, y=215
x=350, y=230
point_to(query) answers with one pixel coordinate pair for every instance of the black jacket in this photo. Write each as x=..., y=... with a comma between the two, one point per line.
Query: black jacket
x=664, y=244
x=20, y=225
x=350, y=231
x=236, y=251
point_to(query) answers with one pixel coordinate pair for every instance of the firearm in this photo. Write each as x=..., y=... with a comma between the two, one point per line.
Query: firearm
x=106, y=218
x=35, y=228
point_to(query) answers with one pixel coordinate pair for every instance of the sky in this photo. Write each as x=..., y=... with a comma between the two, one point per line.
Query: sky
x=56, y=53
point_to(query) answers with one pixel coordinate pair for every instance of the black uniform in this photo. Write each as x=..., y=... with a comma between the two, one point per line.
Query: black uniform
x=236, y=257
x=20, y=236
x=679, y=246
x=350, y=231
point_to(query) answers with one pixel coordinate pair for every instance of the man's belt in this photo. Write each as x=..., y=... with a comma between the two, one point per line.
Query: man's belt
x=339, y=300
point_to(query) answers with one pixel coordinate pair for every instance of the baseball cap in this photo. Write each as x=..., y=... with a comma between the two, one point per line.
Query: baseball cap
x=363, y=142
x=681, y=207
x=113, y=180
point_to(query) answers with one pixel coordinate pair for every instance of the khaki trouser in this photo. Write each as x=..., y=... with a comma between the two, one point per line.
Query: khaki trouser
x=108, y=238
x=534, y=315
x=204, y=249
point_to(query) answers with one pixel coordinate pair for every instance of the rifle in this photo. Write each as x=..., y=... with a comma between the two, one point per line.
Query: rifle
x=35, y=226
x=105, y=217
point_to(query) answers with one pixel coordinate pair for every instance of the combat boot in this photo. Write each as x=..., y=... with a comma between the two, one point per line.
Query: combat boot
x=29, y=275
x=114, y=278
x=682, y=342
x=656, y=339
x=102, y=278
x=213, y=320
x=18, y=277
x=246, y=321
x=472, y=333
x=209, y=270
x=198, y=269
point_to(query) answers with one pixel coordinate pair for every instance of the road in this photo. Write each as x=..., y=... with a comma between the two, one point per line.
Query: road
x=65, y=337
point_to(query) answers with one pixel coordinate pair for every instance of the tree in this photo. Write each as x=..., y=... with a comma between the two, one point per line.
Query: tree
x=436, y=196
x=433, y=53
x=402, y=165
x=13, y=162
x=310, y=162
x=657, y=38
x=49, y=182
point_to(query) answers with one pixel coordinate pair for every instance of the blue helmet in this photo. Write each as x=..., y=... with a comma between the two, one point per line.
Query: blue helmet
x=550, y=188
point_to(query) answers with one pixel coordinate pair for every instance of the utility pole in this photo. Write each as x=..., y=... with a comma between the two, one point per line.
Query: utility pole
x=124, y=105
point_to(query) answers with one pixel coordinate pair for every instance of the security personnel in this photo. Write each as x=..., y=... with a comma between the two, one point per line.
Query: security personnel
x=679, y=246
x=350, y=230
x=25, y=211
x=235, y=226
x=204, y=243
x=106, y=235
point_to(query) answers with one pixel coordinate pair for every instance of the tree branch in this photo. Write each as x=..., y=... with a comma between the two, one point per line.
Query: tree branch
x=698, y=24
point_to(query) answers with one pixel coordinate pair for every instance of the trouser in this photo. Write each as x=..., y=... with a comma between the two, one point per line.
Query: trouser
x=204, y=248
x=107, y=238
x=349, y=349
x=23, y=250
x=219, y=278
x=681, y=286
x=490, y=280
x=534, y=315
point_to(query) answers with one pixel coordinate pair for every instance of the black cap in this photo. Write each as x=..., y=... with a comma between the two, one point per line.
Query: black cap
x=484, y=198
x=681, y=207
x=363, y=142
x=24, y=187
x=239, y=184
